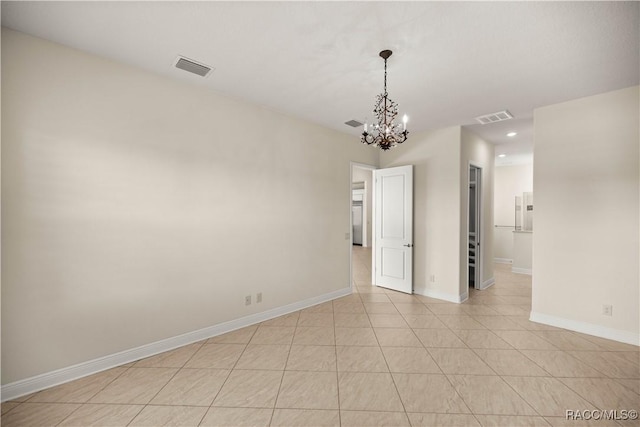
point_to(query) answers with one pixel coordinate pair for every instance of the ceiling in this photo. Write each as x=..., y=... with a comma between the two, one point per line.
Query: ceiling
x=452, y=61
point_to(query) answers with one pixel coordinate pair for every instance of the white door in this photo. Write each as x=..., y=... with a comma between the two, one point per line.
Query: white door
x=394, y=228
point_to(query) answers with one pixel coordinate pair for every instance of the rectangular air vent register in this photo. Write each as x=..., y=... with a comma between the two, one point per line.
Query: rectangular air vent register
x=192, y=66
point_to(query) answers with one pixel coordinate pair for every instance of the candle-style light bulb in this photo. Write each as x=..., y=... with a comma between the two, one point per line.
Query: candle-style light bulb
x=405, y=119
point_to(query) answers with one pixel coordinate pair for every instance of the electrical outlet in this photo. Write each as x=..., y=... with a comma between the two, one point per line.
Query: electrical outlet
x=258, y=297
x=432, y=278
x=247, y=300
x=347, y=236
x=607, y=310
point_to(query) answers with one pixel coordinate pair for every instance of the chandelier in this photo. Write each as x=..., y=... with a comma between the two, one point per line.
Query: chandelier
x=384, y=133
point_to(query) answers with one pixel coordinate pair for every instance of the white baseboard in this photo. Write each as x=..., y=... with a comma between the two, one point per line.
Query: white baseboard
x=503, y=261
x=444, y=295
x=487, y=283
x=587, y=328
x=522, y=270
x=60, y=376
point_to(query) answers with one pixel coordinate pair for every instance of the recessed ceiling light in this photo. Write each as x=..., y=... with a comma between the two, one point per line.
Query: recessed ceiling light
x=512, y=134
x=502, y=155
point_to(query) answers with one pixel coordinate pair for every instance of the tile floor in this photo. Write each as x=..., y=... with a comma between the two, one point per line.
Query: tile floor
x=374, y=358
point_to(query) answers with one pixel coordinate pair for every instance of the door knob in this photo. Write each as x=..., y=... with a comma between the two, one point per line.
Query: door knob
x=409, y=245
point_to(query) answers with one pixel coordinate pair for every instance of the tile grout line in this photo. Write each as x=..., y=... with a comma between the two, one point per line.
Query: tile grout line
x=96, y=393
x=230, y=370
x=284, y=369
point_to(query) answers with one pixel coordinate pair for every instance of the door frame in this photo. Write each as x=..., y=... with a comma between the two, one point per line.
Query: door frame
x=479, y=227
x=372, y=242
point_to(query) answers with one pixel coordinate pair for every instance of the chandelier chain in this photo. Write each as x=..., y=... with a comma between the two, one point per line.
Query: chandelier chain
x=385, y=77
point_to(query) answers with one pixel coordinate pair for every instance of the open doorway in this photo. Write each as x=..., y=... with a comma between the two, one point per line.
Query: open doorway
x=474, y=209
x=361, y=224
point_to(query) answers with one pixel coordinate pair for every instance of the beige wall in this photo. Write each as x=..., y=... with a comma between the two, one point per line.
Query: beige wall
x=477, y=152
x=586, y=246
x=510, y=181
x=436, y=208
x=136, y=208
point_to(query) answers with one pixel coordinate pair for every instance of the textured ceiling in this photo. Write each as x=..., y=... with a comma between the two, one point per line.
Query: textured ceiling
x=319, y=61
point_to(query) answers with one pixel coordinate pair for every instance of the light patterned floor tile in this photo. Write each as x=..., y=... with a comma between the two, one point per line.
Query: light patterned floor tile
x=412, y=308
x=631, y=384
x=612, y=364
x=351, y=320
x=368, y=392
x=377, y=295
x=424, y=321
x=240, y=336
x=511, y=421
x=548, y=396
x=325, y=307
x=459, y=361
x=482, y=339
x=305, y=418
x=273, y=335
x=290, y=319
x=497, y=323
x=561, y=364
x=312, y=358
x=316, y=319
x=564, y=422
x=78, y=391
x=489, y=395
x=308, y=390
x=135, y=386
x=371, y=419
x=510, y=362
x=460, y=322
x=314, y=335
x=566, y=340
x=356, y=336
x=397, y=337
x=439, y=338
x=263, y=356
x=360, y=359
x=250, y=389
x=387, y=321
x=94, y=415
x=445, y=308
x=216, y=356
x=479, y=310
x=38, y=414
x=380, y=308
x=525, y=340
x=170, y=359
x=442, y=420
x=428, y=393
x=153, y=416
x=410, y=360
x=237, y=417
x=605, y=393
x=610, y=345
x=7, y=406
x=192, y=387
x=348, y=308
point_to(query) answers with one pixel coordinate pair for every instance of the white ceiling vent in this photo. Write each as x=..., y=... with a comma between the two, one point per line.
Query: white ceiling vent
x=192, y=66
x=353, y=123
x=494, y=117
